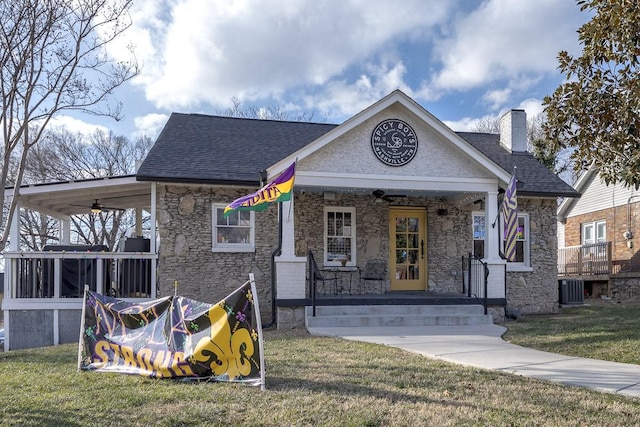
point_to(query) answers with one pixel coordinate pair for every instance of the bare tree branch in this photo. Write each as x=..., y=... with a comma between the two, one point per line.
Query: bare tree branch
x=54, y=59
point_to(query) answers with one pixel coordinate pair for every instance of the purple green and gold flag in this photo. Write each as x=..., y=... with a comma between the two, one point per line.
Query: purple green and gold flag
x=510, y=215
x=278, y=190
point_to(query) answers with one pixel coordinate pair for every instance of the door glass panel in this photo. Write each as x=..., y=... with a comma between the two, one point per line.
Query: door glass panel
x=413, y=243
x=401, y=272
x=407, y=248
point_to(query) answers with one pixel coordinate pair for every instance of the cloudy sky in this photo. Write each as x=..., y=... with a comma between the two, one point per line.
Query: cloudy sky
x=463, y=60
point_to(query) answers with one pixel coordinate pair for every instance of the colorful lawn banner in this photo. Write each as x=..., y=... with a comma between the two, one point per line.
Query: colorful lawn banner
x=278, y=190
x=175, y=337
x=510, y=214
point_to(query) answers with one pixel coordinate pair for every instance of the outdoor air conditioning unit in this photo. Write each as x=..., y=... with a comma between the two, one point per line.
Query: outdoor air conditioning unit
x=571, y=291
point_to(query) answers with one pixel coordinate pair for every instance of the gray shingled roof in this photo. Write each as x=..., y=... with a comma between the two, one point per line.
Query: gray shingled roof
x=535, y=179
x=210, y=149
x=196, y=148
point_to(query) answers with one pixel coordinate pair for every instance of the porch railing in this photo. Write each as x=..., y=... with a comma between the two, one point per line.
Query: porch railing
x=475, y=279
x=64, y=274
x=585, y=260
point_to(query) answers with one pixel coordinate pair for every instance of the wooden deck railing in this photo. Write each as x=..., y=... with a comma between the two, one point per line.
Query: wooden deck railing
x=586, y=260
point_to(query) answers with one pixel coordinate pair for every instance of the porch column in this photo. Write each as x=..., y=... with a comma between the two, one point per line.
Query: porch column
x=290, y=269
x=496, y=264
x=492, y=224
x=288, y=229
x=290, y=272
x=65, y=231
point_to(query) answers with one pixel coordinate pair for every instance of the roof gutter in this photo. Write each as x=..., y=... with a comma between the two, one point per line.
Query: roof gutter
x=243, y=183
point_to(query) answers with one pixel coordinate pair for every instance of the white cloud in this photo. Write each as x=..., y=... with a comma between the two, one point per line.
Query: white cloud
x=150, y=125
x=212, y=51
x=74, y=125
x=532, y=107
x=340, y=99
x=467, y=124
x=506, y=39
x=497, y=98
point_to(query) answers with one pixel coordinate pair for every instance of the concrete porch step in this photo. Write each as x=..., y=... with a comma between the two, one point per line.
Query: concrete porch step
x=397, y=315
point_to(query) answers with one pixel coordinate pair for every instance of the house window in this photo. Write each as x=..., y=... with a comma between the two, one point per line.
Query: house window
x=592, y=234
x=522, y=238
x=479, y=232
x=235, y=233
x=339, y=236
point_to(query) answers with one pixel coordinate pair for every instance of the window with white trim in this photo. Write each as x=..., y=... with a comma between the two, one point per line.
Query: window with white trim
x=339, y=236
x=479, y=233
x=522, y=238
x=235, y=233
x=592, y=233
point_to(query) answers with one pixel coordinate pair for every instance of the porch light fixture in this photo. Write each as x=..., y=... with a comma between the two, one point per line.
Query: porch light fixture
x=96, y=207
x=442, y=209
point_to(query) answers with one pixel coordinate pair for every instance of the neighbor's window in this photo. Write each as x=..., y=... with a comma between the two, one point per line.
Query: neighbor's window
x=235, y=233
x=522, y=238
x=339, y=235
x=593, y=233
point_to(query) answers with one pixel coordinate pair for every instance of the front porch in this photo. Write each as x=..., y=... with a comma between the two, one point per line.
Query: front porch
x=343, y=298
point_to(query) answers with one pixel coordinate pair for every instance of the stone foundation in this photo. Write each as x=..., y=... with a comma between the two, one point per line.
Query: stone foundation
x=625, y=287
x=290, y=317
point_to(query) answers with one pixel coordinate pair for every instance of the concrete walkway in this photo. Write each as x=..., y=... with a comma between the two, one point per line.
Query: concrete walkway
x=482, y=346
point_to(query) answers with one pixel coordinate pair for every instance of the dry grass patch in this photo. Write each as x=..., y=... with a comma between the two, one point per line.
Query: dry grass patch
x=600, y=329
x=311, y=381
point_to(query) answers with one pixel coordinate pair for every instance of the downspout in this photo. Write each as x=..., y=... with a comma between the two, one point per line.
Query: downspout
x=628, y=235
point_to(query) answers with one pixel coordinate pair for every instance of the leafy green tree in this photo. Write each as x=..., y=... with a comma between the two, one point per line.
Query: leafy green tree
x=596, y=111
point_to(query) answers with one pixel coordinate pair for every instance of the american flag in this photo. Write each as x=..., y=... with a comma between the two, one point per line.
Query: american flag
x=510, y=215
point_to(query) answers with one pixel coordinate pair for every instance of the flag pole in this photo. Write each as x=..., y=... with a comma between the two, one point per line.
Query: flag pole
x=84, y=305
x=259, y=327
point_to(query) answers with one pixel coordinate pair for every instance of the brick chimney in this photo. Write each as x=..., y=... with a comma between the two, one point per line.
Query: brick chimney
x=513, y=131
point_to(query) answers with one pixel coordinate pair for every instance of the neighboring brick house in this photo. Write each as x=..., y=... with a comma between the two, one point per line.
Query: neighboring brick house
x=601, y=229
x=392, y=185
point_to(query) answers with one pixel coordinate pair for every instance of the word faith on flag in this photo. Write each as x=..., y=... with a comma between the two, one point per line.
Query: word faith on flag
x=510, y=216
x=278, y=190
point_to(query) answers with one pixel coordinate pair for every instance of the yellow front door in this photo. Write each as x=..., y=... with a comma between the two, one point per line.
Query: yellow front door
x=407, y=249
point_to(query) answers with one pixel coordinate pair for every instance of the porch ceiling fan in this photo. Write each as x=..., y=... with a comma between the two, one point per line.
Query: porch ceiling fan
x=381, y=195
x=99, y=208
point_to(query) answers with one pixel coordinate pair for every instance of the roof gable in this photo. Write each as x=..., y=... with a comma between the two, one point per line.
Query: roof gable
x=351, y=152
x=396, y=99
